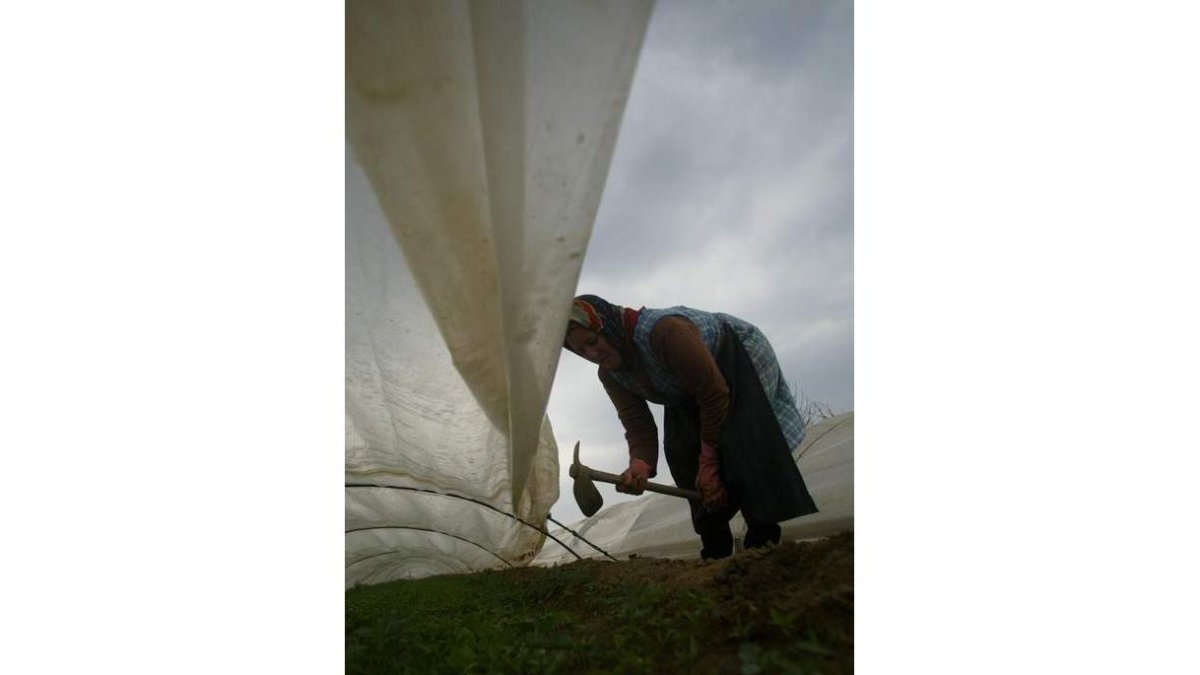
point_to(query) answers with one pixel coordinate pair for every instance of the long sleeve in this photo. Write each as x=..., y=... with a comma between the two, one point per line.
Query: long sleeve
x=678, y=344
x=640, y=430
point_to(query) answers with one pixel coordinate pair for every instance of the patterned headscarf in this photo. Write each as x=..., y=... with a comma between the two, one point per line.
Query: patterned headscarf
x=613, y=322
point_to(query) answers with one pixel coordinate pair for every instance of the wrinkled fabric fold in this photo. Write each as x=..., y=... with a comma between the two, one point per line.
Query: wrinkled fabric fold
x=484, y=132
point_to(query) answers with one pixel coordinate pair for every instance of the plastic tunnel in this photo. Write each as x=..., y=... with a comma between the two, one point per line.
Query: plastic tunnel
x=479, y=140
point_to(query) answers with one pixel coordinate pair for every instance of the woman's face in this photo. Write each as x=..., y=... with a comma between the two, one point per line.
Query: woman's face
x=594, y=347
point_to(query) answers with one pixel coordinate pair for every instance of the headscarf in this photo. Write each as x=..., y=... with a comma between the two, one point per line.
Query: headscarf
x=615, y=323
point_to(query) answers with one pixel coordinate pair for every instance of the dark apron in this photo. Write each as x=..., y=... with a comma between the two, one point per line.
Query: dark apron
x=756, y=463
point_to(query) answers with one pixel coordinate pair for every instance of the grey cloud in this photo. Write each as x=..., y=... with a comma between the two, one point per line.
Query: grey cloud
x=770, y=40
x=700, y=129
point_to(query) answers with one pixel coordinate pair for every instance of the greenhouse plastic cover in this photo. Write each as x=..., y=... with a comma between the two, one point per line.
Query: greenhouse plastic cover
x=480, y=137
x=654, y=525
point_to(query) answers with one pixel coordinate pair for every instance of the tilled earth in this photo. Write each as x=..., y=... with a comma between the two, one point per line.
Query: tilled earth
x=793, y=599
x=788, y=608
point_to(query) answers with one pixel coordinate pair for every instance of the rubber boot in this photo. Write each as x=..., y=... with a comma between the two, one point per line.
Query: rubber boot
x=761, y=534
x=717, y=540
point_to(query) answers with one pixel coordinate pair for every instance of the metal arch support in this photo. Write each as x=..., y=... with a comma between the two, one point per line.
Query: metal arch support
x=420, y=529
x=473, y=501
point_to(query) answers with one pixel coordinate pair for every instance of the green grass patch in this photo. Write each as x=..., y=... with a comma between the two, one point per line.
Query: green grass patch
x=596, y=617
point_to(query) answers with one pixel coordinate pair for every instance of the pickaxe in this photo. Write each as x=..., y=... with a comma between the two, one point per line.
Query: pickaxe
x=588, y=497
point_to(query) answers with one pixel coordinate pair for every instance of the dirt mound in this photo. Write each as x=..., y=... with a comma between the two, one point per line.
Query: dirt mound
x=775, y=607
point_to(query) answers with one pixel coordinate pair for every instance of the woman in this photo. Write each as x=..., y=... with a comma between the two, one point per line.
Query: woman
x=731, y=422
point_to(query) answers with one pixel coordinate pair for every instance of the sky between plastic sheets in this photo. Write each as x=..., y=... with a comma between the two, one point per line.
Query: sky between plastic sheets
x=731, y=189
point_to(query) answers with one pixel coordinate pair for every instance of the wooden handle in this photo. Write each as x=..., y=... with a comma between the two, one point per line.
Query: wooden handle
x=605, y=477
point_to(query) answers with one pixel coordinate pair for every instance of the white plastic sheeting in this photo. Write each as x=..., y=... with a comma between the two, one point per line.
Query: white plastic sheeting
x=481, y=135
x=659, y=526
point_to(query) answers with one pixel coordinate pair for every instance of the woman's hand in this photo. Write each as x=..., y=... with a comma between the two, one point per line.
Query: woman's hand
x=633, y=481
x=708, y=479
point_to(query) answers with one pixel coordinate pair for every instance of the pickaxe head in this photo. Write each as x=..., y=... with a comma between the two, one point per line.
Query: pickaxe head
x=586, y=495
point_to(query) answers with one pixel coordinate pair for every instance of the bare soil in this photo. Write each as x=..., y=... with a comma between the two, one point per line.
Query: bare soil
x=797, y=597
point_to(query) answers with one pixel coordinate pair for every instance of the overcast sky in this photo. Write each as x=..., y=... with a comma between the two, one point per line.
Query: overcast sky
x=731, y=189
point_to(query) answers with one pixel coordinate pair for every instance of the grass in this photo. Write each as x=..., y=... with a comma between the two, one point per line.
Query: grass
x=555, y=622
x=582, y=618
